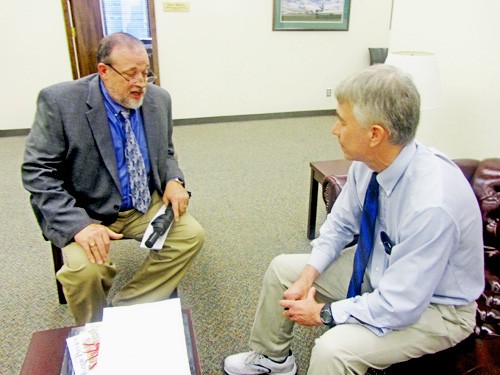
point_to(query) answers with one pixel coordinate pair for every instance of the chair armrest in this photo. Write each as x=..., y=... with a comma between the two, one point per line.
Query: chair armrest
x=332, y=186
x=468, y=167
x=486, y=186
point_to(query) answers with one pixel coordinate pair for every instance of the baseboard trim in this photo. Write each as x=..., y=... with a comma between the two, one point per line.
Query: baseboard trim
x=215, y=119
x=14, y=132
x=254, y=117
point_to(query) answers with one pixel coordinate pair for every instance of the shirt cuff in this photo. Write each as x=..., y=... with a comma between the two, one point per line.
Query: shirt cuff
x=177, y=179
x=340, y=312
x=319, y=260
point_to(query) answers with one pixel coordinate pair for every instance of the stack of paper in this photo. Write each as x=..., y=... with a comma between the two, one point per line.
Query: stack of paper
x=143, y=339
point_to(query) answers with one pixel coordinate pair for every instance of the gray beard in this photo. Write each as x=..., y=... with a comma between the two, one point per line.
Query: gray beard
x=132, y=104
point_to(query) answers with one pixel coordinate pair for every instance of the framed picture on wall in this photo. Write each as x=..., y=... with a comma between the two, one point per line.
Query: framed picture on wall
x=311, y=15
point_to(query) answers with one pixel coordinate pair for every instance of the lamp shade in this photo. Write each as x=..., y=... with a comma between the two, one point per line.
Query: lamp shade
x=424, y=70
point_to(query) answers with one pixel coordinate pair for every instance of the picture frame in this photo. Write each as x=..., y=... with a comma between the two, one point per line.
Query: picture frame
x=313, y=15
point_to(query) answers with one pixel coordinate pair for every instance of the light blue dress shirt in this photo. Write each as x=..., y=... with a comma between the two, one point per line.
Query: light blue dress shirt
x=116, y=125
x=431, y=216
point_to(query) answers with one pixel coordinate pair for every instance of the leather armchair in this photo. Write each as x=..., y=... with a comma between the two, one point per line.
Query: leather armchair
x=480, y=353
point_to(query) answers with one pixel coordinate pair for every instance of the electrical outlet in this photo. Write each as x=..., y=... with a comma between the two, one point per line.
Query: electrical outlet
x=328, y=92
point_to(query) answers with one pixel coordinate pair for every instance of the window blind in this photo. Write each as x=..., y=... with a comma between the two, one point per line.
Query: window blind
x=130, y=16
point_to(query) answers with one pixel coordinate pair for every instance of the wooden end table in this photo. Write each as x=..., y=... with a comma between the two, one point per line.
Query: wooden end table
x=46, y=351
x=320, y=169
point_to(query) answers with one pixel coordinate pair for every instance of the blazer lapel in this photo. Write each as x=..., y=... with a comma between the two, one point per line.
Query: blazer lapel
x=151, y=128
x=98, y=122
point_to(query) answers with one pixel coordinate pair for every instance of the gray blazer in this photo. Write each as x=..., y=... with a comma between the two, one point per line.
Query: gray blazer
x=70, y=165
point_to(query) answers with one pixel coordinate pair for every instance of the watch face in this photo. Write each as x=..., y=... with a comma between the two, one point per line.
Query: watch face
x=326, y=316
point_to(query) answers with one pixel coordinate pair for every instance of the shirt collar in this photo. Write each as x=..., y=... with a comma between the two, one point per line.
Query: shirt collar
x=110, y=103
x=389, y=177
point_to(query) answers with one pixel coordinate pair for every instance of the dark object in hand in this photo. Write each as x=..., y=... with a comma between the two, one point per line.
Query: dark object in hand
x=160, y=226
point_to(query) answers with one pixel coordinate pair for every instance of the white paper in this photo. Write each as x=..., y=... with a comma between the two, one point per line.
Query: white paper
x=143, y=339
x=161, y=240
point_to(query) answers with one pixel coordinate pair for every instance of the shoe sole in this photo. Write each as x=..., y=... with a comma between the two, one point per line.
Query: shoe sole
x=293, y=372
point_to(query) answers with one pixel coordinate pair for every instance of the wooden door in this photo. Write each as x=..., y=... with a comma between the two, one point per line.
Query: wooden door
x=84, y=30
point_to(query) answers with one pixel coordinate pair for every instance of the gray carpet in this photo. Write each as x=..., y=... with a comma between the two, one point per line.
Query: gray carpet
x=250, y=185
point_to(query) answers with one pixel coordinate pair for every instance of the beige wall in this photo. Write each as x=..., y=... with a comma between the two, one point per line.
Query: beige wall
x=222, y=58
x=465, y=36
x=34, y=55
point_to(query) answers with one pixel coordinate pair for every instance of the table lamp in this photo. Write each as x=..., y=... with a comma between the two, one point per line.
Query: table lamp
x=423, y=68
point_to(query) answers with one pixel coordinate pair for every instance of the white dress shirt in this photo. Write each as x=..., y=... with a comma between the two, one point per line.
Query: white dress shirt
x=432, y=219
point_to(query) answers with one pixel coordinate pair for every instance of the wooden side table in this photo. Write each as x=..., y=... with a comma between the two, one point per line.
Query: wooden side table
x=320, y=169
x=46, y=351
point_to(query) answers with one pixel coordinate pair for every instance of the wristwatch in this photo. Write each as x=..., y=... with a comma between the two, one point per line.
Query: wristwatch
x=326, y=316
x=179, y=181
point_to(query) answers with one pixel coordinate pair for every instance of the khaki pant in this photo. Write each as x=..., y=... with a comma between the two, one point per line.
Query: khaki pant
x=350, y=348
x=86, y=285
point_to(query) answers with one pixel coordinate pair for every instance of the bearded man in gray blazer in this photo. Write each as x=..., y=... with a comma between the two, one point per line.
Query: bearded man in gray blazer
x=83, y=193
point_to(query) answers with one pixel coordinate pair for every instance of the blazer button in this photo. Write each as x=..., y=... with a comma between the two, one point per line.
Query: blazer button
x=116, y=207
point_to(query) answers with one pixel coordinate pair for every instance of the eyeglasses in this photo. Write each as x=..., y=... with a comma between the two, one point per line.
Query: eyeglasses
x=149, y=78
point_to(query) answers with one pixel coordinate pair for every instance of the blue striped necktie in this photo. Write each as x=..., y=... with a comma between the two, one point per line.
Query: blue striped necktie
x=138, y=178
x=366, y=235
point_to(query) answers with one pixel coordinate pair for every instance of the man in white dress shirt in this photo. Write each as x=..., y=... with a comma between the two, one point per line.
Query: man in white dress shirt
x=425, y=267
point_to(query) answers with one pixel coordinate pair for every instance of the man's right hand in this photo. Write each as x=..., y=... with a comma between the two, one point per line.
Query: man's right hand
x=95, y=240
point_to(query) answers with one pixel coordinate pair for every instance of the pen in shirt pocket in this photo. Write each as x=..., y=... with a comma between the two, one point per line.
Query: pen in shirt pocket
x=386, y=241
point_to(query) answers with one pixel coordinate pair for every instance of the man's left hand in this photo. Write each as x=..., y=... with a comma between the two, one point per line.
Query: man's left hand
x=177, y=196
x=305, y=312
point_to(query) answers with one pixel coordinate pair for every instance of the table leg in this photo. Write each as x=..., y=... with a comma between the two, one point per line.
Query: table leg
x=313, y=206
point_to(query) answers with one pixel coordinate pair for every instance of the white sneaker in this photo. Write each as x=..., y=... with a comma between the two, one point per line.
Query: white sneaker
x=251, y=363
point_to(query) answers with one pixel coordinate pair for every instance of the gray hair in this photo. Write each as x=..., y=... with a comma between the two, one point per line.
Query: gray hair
x=108, y=43
x=384, y=95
